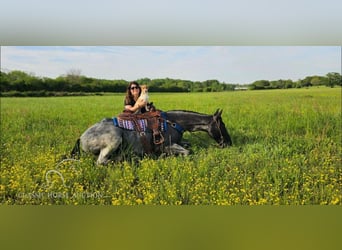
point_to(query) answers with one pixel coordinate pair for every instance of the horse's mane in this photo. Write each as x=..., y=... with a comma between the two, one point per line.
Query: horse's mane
x=186, y=114
x=185, y=111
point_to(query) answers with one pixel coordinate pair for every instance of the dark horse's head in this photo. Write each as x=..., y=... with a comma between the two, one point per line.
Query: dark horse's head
x=217, y=130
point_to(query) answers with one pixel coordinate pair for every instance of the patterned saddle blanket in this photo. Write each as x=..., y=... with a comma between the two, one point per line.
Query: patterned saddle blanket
x=149, y=121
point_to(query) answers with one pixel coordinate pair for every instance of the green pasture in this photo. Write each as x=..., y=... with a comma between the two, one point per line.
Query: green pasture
x=286, y=150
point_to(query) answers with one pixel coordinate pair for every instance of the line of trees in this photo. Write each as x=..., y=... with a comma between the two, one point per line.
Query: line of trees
x=331, y=79
x=18, y=82
x=75, y=82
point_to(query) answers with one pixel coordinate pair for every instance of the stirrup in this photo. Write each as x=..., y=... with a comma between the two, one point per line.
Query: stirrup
x=158, y=141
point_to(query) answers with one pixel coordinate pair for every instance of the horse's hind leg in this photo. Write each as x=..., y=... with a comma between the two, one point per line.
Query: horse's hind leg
x=176, y=149
x=104, y=156
x=107, y=151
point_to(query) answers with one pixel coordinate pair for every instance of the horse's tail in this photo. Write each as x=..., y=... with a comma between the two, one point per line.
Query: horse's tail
x=75, y=153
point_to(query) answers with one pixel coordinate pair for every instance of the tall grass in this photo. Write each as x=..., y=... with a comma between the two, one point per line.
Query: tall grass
x=286, y=150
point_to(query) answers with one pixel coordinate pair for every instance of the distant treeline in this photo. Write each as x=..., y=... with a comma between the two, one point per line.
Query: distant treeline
x=330, y=80
x=19, y=83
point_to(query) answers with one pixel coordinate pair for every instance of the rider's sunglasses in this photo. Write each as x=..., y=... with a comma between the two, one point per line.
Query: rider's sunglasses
x=135, y=87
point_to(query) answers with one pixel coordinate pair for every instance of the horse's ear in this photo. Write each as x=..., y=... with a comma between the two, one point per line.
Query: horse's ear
x=218, y=113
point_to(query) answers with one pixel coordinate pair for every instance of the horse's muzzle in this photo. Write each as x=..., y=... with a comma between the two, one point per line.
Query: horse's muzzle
x=225, y=144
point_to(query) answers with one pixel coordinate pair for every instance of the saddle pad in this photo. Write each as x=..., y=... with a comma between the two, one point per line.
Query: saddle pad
x=129, y=125
x=143, y=124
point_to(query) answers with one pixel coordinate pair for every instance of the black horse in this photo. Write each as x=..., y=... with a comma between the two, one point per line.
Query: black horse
x=104, y=138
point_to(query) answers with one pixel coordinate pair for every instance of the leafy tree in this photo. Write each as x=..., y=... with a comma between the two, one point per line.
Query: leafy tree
x=306, y=82
x=289, y=84
x=319, y=80
x=260, y=84
x=334, y=78
x=4, y=82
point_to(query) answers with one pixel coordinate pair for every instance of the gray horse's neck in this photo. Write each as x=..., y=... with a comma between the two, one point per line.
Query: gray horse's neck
x=189, y=120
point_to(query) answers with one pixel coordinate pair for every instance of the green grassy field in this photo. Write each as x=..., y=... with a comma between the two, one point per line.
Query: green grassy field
x=286, y=150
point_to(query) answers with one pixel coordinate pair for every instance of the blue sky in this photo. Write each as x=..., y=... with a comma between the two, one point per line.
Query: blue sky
x=230, y=64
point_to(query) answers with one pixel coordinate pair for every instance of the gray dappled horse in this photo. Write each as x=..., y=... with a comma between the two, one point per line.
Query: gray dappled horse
x=105, y=139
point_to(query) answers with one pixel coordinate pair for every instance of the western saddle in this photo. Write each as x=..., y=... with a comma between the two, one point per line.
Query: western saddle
x=141, y=123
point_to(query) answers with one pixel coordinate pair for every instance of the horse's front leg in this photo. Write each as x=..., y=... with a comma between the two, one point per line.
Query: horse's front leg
x=176, y=149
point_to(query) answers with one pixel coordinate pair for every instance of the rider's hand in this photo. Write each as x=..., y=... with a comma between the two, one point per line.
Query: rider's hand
x=141, y=103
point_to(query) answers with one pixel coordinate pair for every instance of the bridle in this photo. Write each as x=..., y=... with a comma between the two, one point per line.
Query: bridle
x=219, y=129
